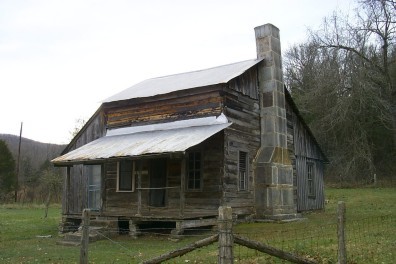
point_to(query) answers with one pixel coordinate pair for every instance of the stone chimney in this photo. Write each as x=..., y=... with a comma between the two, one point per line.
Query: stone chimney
x=273, y=168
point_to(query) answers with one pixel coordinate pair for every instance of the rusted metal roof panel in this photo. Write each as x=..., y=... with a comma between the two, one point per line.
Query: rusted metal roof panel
x=145, y=140
x=183, y=81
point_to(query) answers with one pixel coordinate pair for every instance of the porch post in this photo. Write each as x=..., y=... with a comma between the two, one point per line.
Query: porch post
x=182, y=185
x=139, y=183
x=67, y=189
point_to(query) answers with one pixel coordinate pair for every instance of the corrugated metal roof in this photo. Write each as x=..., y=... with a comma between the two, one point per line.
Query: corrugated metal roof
x=144, y=140
x=182, y=81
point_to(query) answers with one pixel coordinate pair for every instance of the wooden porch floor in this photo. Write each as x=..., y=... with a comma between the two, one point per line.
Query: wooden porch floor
x=154, y=213
x=165, y=214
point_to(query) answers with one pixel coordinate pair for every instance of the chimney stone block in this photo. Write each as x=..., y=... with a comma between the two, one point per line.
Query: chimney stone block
x=268, y=86
x=268, y=124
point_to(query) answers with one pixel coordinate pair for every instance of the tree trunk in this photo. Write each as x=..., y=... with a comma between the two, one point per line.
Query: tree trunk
x=393, y=113
x=47, y=203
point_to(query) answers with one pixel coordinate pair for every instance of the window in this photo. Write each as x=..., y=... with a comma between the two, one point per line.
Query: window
x=243, y=171
x=194, y=172
x=310, y=177
x=125, y=178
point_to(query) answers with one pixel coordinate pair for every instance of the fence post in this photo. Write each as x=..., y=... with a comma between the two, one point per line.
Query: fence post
x=342, y=257
x=226, y=240
x=86, y=214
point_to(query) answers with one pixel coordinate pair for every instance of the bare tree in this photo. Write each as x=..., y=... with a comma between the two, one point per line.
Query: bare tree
x=79, y=123
x=50, y=183
x=341, y=78
x=370, y=36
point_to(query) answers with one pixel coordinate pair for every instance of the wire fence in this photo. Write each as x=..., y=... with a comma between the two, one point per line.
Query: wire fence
x=368, y=240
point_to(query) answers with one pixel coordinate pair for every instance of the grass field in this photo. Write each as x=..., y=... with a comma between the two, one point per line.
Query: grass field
x=371, y=235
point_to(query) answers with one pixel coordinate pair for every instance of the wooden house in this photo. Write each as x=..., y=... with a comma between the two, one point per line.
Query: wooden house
x=175, y=148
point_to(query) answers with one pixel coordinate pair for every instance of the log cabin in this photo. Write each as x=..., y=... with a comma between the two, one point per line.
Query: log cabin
x=175, y=148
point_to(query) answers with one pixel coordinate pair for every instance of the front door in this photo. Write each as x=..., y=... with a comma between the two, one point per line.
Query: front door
x=94, y=173
x=157, y=182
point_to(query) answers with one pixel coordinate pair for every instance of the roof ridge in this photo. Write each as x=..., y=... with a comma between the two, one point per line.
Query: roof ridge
x=201, y=70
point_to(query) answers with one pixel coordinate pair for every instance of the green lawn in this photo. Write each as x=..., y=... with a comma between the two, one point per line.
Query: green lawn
x=371, y=235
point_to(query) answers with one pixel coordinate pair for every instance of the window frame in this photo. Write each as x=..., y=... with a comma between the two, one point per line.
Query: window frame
x=311, y=179
x=133, y=172
x=188, y=169
x=246, y=171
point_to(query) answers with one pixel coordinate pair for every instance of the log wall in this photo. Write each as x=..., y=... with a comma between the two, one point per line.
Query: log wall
x=126, y=203
x=186, y=105
x=242, y=109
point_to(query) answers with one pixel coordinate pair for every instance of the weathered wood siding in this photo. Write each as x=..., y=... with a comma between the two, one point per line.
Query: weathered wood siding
x=93, y=129
x=126, y=203
x=246, y=84
x=74, y=198
x=189, y=104
x=210, y=195
x=303, y=150
x=113, y=201
x=290, y=147
x=203, y=102
x=242, y=109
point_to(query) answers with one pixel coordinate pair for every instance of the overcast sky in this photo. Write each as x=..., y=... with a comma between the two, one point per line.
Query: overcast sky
x=60, y=59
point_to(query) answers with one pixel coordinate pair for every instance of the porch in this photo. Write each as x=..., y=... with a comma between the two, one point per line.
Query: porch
x=128, y=223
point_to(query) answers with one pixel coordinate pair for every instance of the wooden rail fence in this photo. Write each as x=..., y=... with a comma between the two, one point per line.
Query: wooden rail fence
x=226, y=240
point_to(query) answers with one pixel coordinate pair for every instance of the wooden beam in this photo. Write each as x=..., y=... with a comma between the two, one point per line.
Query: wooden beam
x=86, y=215
x=198, y=223
x=139, y=186
x=17, y=165
x=226, y=240
x=182, y=185
x=102, y=189
x=341, y=209
x=68, y=192
x=183, y=250
x=271, y=250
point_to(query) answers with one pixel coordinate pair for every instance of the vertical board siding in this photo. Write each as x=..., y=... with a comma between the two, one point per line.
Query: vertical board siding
x=77, y=200
x=246, y=83
x=78, y=190
x=94, y=129
x=303, y=149
x=290, y=147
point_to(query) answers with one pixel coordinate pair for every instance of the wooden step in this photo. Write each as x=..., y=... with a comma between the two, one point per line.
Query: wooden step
x=74, y=238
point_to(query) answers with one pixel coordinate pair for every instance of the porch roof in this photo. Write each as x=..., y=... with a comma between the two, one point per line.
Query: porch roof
x=153, y=139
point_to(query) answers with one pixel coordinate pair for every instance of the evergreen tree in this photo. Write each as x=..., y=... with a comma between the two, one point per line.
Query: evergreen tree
x=7, y=170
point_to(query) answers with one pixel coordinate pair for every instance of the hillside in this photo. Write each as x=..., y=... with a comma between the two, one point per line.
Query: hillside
x=33, y=153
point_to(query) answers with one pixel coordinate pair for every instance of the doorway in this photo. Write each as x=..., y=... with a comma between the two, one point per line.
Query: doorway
x=94, y=173
x=158, y=172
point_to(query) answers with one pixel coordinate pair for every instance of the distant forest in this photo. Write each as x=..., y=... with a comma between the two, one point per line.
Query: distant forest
x=35, y=168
